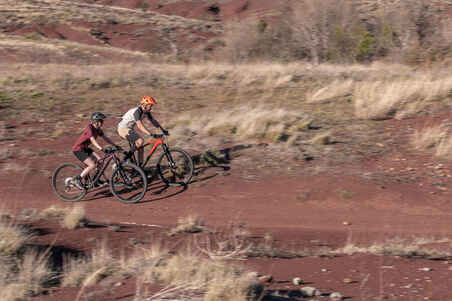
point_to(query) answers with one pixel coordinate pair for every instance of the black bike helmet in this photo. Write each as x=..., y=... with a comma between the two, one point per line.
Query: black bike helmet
x=97, y=116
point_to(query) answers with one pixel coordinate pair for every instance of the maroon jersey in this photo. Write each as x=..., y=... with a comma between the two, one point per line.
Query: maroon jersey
x=84, y=141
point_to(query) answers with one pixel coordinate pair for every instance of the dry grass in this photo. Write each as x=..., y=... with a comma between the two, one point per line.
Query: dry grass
x=24, y=276
x=400, y=247
x=384, y=99
x=12, y=238
x=142, y=260
x=85, y=271
x=23, y=271
x=74, y=218
x=224, y=247
x=246, y=122
x=435, y=138
x=188, y=224
x=444, y=148
x=34, y=272
x=265, y=75
x=70, y=218
x=330, y=92
x=192, y=276
x=429, y=138
x=53, y=211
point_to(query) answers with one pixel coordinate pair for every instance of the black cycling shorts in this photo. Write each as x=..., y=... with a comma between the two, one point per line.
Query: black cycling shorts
x=83, y=154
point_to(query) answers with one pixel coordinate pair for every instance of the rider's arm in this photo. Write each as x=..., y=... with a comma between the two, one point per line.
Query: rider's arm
x=108, y=140
x=153, y=121
x=156, y=123
x=94, y=142
x=142, y=128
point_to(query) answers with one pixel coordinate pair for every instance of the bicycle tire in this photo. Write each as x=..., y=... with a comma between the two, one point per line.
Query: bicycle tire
x=66, y=192
x=179, y=175
x=123, y=185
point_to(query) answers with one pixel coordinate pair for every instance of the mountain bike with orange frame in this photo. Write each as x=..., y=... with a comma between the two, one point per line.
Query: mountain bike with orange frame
x=174, y=166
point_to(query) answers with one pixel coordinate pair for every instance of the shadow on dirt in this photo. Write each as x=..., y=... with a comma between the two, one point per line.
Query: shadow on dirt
x=213, y=162
x=293, y=295
x=207, y=166
x=159, y=188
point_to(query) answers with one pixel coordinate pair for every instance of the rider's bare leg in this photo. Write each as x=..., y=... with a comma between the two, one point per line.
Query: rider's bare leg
x=139, y=146
x=91, y=164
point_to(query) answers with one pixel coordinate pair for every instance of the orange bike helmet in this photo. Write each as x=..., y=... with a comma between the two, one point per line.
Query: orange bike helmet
x=148, y=100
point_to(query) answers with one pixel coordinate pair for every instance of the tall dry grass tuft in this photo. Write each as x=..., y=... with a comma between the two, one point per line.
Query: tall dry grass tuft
x=78, y=270
x=74, y=218
x=34, y=272
x=334, y=90
x=188, y=224
x=444, y=149
x=429, y=137
x=23, y=273
x=214, y=280
x=53, y=211
x=384, y=99
x=435, y=138
x=399, y=247
x=248, y=122
x=142, y=260
x=230, y=246
x=12, y=238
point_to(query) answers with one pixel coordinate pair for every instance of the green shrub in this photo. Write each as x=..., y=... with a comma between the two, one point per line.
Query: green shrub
x=5, y=100
x=143, y=5
x=366, y=48
x=262, y=25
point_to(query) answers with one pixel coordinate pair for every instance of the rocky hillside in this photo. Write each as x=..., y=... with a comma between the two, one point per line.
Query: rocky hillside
x=98, y=25
x=177, y=29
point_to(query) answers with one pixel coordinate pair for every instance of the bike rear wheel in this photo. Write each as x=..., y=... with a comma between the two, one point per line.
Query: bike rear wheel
x=178, y=172
x=63, y=184
x=128, y=183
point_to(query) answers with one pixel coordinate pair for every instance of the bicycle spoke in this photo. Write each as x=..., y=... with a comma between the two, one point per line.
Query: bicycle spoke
x=179, y=171
x=63, y=182
x=128, y=183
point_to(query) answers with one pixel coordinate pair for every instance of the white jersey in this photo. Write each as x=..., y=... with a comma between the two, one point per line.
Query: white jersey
x=130, y=118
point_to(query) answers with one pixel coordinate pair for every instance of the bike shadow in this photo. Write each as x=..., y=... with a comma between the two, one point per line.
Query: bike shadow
x=162, y=191
x=101, y=193
x=213, y=163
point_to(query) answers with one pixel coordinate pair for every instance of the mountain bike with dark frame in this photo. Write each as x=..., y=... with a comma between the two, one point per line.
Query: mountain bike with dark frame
x=174, y=166
x=128, y=182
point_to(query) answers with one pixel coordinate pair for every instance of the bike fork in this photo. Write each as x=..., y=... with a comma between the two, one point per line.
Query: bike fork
x=169, y=158
x=123, y=175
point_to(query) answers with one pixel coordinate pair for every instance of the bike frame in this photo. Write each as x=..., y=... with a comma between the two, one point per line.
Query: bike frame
x=155, y=144
x=103, y=162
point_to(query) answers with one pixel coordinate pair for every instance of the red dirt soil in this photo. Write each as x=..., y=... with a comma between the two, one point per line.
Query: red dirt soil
x=410, y=198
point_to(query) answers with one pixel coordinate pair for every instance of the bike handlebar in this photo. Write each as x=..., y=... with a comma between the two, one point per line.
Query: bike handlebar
x=109, y=150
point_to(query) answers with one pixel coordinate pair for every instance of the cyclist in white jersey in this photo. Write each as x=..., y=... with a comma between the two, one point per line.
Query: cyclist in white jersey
x=135, y=116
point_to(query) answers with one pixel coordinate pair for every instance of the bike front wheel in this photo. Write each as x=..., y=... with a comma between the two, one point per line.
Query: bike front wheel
x=128, y=183
x=175, y=167
x=63, y=182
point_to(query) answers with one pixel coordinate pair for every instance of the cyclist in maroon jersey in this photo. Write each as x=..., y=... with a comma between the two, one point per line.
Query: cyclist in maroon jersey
x=81, y=147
